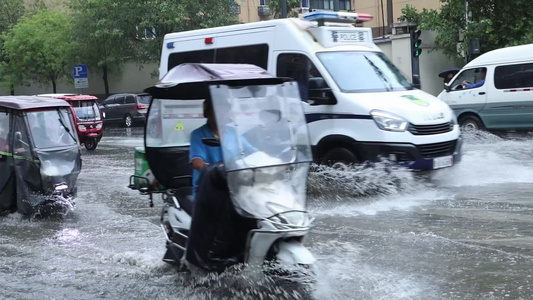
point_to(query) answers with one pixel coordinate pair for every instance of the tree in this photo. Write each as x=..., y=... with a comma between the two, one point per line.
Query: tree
x=38, y=49
x=102, y=35
x=275, y=8
x=114, y=32
x=10, y=12
x=496, y=23
x=159, y=17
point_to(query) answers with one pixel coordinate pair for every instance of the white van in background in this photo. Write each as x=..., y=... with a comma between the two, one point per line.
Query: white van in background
x=358, y=105
x=503, y=100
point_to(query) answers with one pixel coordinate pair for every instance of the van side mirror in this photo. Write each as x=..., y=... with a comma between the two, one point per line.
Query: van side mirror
x=211, y=142
x=322, y=97
x=447, y=87
x=320, y=93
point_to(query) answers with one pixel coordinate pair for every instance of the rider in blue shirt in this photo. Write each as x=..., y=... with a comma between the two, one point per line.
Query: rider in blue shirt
x=201, y=155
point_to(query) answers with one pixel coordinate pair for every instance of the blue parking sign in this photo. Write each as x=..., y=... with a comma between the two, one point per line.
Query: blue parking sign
x=81, y=80
x=79, y=71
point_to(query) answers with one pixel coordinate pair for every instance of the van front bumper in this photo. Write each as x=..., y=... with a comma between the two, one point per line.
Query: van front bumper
x=417, y=157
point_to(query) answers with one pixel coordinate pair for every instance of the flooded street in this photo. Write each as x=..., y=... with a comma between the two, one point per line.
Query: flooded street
x=380, y=233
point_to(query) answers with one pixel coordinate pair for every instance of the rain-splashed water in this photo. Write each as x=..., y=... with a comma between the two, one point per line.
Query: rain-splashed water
x=380, y=233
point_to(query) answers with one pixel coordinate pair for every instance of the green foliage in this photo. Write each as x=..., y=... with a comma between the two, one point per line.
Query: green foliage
x=37, y=49
x=275, y=8
x=496, y=23
x=102, y=37
x=10, y=12
x=167, y=16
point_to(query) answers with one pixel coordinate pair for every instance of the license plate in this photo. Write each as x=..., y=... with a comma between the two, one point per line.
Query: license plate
x=442, y=162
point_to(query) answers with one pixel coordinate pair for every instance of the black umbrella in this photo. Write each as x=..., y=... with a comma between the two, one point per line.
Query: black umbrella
x=445, y=73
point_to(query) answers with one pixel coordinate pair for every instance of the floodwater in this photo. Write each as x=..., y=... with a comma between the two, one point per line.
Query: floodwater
x=464, y=232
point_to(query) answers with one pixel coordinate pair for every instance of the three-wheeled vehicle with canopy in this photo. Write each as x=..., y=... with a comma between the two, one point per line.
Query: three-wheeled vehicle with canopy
x=40, y=158
x=88, y=118
x=250, y=207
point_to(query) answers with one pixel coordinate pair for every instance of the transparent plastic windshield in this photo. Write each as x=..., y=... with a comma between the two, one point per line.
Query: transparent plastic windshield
x=51, y=128
x=276, y=192
x=170, y=122
x=261, y=126
x=86, y=111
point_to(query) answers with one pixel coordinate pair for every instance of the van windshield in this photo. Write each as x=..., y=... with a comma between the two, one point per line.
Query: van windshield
x=363, y=72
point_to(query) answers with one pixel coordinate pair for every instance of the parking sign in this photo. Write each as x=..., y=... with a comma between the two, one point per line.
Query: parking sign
x=81, y=80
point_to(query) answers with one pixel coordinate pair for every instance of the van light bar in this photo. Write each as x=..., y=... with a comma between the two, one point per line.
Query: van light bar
x=170, y=45
x=335, y=16
x=208, y=41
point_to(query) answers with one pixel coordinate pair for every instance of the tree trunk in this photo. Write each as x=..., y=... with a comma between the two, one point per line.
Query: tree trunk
x=104, y=77
x=54, y=86
x=12, y=90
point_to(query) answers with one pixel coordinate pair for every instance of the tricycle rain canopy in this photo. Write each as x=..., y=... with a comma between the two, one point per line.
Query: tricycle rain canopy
x=190, y=80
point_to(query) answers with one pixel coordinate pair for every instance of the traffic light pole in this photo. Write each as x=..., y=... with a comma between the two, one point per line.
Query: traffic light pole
x=415, y=53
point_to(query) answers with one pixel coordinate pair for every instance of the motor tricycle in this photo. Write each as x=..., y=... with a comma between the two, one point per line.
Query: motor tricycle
x=88, y=117
x=250, y=208
x=40, y=158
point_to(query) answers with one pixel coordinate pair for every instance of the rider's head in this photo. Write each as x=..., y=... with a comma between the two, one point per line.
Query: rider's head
x=208, y=112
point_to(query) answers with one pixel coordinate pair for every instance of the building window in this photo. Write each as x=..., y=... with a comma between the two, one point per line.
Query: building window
x=147, y=34
x=328, y=4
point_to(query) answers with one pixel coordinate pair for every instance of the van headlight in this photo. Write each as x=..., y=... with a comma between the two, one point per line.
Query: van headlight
x=389, y=121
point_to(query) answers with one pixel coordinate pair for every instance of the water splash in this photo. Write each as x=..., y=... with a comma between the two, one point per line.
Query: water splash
x=490, y=159
x=344, y=274
x=360, y=181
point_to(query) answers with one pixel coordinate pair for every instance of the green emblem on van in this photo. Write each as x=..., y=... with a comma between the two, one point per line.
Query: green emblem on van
x=416, y=100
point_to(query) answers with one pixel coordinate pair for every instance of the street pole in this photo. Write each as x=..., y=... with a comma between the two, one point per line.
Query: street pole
x=335, y=5
x=465, y=41
x=283, y=4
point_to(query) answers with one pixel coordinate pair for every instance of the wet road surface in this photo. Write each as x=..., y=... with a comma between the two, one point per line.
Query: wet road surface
x=380, y=233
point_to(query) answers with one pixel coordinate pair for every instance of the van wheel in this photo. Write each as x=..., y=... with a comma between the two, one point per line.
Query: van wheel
x=128, y=120
x=90, y=144
x=339, y=158
x=471, y=123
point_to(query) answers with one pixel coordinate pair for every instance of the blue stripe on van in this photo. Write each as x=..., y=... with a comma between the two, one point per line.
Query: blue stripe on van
x=317, y=117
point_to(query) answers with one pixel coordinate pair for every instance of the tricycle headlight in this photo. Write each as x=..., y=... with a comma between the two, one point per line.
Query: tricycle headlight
x=82, y=128
x=389, y=121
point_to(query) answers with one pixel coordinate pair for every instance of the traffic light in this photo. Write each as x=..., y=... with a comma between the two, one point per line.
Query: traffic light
x=415, y=42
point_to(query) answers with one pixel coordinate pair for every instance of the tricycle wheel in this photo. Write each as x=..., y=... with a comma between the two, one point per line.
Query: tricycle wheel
x=90, y=144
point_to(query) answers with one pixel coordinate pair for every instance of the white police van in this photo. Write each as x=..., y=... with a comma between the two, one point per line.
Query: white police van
x=358, y=105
